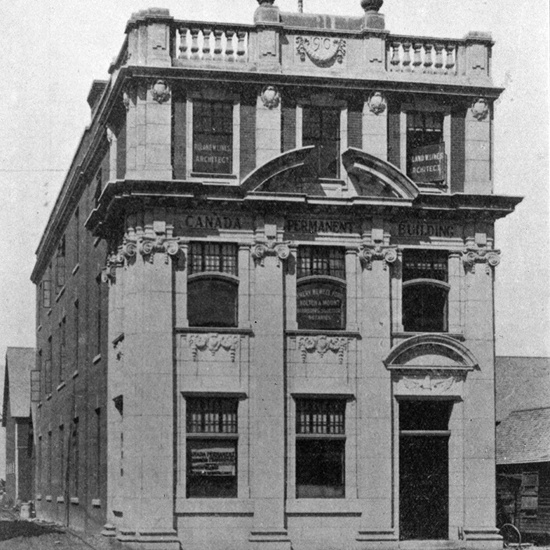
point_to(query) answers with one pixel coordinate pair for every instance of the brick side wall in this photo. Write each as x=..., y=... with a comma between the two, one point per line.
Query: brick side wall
x=457, y=151
x=248, y=134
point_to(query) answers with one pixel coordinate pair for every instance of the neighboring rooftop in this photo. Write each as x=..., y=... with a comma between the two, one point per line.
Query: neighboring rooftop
x=17, y=382
x=524, y=437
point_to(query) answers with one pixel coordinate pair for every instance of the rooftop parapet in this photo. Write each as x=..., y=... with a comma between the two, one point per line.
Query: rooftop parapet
x=306, y=44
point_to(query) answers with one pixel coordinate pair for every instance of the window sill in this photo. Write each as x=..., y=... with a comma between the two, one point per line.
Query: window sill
x=61, y=386
x=96, y=503
x=76, y=268
x=324, y=506
x=48, y=397
x=49, y=312
x=118, y=339
x=75, y=374
x=218, y=506
x=74, y=500
x=60, y=293
x=319, y=332
x=38, y=328
x=213, y=176
x=60, y=500
x=217, y=330
x=96, y=359
x=48, y=498
x=38, y=497
x=97, y=241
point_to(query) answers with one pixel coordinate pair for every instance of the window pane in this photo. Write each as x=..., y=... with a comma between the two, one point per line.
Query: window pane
x=211, y=415
x=212, y=257
x=424, y=415
x=424, y=308
x=321, y=127
x=425, y=264
x=212, y=303
x=211, y=468
x=320, y=468
x=321, y=260
x=320, y=416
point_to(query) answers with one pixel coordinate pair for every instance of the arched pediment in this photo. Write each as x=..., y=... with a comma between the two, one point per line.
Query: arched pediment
x=429, y=352
x=372, y=176
x=297, y=171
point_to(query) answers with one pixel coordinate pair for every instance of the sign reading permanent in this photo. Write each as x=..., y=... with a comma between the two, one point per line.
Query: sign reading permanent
x=318, y=225
x=321, y=305
x=216, y=461
x=426, y=229
x=429, y=163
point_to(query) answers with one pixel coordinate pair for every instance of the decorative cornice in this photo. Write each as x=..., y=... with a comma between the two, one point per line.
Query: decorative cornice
x=473, y=256
x=369, y=253
x=271, y=97
x=322, y=344
x=262, y=249
x=377, y=103
x=213, y=342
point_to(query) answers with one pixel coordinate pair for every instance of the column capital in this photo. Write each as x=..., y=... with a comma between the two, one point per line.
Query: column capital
x=369, y=253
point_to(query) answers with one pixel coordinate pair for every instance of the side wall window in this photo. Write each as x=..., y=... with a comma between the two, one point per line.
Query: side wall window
x=212, y=137
x=529, y=494
x=213, y=287
x=321, y=288
x=320, y=448
x=212, y=434
x=425, y=290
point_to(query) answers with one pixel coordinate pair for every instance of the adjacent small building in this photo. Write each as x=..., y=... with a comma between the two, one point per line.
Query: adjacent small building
x=523, y=445
x=265, y=292
x=17, y=420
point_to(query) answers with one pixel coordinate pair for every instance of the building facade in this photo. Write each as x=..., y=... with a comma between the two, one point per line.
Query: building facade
x=17, y=420
x=265, y=293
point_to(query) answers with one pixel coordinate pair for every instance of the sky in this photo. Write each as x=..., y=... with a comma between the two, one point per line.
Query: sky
x=52, y=50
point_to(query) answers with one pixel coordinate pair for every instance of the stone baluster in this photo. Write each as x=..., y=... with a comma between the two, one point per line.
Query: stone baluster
x=451, y=62
x=229, y=50
x=218, y=44
x=206, y=43
x=241, y=36
x=417, y=58
x=407, y=56
x=183, y=43
x=438, y=58
x=395, y=58
x=428, y=58
x=195, y=44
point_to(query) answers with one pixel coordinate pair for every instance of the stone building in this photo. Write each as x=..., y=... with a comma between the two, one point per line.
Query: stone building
x=265, y=293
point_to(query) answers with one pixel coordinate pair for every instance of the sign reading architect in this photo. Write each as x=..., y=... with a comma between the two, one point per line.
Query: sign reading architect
x=429, y=163
x=212, y=154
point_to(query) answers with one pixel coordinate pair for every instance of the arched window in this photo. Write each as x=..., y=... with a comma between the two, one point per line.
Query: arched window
x=212, y=286
x=321, y=289
x=425, y=290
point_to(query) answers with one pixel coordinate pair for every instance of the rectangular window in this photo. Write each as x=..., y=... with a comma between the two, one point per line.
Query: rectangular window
x=46, y=293
x=76, y=333
x=212, y=137
x=321, y=288
x=77, y=236
x=99, y=328
x=426, y=158
x=425, y=290
x=40, y=465
x=48, y=367
x=62, y=348
x=212, y=447
x=529, y=494
x=62, y=468
x=98, y=187
x=60, y=264
x=321, y=127
x=98, y=452
x=217, y=257
x=75, y=459
x=50, y=463
x=320, y=448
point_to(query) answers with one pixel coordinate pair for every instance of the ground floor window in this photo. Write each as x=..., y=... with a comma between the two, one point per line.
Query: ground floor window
x=212, y=447
x=320, y=448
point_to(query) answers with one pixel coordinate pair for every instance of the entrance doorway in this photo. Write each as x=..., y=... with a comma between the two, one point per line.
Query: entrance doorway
x=424, y=469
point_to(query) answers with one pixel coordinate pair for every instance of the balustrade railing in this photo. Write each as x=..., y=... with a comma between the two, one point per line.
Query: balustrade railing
x=423, y=56
x=207, y=42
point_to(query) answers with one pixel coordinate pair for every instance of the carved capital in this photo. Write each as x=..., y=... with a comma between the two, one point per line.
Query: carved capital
x=321, y=345
x=377, y=103
x=369, y=253
x=271, y=97
x=279, y=249
x=160, y=90
x=148, y=246
x=108, y=273
x=480, y=108
x=473, y=256
x=212, y=343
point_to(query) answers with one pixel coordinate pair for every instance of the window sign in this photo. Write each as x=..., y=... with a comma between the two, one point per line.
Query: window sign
x=214, y=461
x=212, y=154
x=429, y=163
x=321, y=305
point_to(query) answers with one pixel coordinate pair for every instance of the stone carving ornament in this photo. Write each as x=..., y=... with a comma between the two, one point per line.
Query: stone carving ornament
x=160, y=91
x=369, y=253
x=322, y=50
x=271, y=97
x=261, y=250
x=147, y=247
x=480, y=108
x=377, y=103
x=212, y=343
x=321, y=345
x=473, y=256
x=429, y=382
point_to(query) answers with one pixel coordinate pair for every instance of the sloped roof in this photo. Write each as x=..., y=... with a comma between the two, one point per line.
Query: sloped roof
x=17, y=383
x=521, y=383
x=524, y=436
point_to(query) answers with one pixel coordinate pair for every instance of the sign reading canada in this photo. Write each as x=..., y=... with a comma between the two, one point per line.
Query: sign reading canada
x=429, y=163
x=212, y=154
x=216, y=461
x=321, y=306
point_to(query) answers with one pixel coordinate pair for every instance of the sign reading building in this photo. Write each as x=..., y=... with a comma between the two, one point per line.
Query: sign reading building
x=428, y=163
x=215, y=461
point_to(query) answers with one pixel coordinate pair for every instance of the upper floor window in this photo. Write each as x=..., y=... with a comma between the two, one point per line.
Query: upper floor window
x=320, y=448
x=425, y=290
x=529, y=493
x=321, y=288
x=212, y=137
x=60, y=264
x=47, y=291
x=212, y=447
x=212, y=288
x=426, y=159
x=321, y=127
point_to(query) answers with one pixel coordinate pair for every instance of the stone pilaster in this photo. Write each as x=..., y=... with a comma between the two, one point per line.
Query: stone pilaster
x=268, y=125
x=478, y=148
x=375, y=126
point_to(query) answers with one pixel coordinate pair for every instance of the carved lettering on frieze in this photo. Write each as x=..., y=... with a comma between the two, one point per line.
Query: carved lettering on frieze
x=321, y=345
x=322, y=50
x=369, y=253
x=473, y=256
x=212, y=343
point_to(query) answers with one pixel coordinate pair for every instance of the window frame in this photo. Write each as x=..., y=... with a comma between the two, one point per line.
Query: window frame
x=529, y=494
